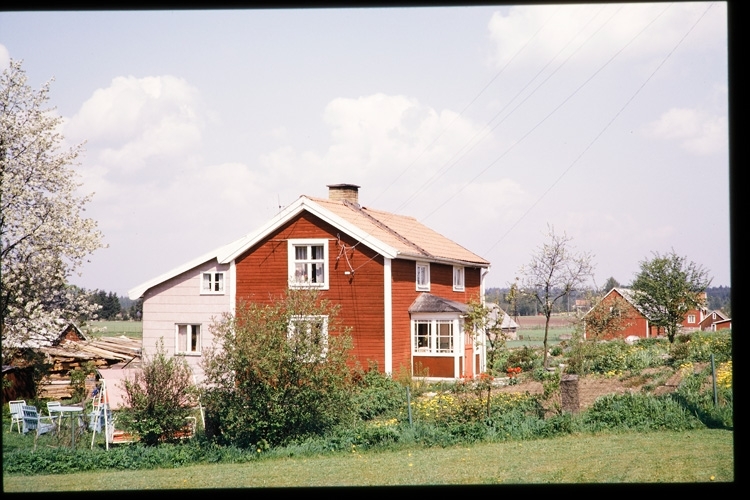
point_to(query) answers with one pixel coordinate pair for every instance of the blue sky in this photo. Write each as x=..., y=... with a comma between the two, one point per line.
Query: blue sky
x=607, y=121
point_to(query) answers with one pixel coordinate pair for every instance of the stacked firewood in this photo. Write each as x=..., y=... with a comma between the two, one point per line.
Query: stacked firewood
x=71, y=355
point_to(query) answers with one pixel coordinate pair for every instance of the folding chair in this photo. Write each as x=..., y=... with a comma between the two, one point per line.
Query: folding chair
x=32, y=421
x=16, y=414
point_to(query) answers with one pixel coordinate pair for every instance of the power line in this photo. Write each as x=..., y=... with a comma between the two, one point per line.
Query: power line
x=502, y=70
x=596, y=138
x=556, y=108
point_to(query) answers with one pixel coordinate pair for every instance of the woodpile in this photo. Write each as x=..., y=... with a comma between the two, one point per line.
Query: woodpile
x=70, y=355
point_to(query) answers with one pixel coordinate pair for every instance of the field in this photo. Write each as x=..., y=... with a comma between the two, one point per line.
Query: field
x=700, y=456
x=132, y=329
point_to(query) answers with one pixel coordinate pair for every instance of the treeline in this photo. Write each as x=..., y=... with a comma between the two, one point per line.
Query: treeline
x=112, y=307
x=719, y=298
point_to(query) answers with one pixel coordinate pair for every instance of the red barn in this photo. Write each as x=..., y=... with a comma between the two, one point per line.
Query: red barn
x=402, y=288
x=618, y=316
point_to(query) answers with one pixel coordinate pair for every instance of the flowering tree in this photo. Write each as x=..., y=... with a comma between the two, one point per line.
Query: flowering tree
x=44, y=237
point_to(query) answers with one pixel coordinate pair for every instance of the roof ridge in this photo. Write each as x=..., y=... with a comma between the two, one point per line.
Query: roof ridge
x=386, y=227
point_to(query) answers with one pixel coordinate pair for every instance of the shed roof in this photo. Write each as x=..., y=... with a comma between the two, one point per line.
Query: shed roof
x=428, y=303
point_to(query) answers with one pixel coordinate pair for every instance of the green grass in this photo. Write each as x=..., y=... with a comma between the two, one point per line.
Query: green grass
x=133, y=329
x=534, y=337
x=657, y=457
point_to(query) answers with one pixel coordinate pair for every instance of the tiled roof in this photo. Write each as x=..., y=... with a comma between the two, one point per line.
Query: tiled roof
x=391, y=235
x=406, y=234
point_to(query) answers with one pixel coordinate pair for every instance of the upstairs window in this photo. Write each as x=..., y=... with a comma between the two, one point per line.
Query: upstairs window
x=458, y=279
x=691, y=318
x=423, y=277
x=212, y=283
x=308, y=263
x=188, y=339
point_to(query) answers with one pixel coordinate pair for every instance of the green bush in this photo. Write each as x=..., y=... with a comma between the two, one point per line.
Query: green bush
x=377, y=394
x=616, y=356
x=279, y=373
x=640, y=412
x=525, y=357
x=702, y=344
x=159, y=398
x=696, y=396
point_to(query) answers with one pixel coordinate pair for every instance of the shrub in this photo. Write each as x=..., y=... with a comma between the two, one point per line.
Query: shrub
x=159, y=397
x=696, y=396
x=377, y=394
x=639, y=412
x=279, y=372
x=525, y=357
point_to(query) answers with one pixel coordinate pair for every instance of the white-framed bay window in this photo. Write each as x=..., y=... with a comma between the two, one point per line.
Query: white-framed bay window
x=437, y=335
x=308, y=263
x=188, y=339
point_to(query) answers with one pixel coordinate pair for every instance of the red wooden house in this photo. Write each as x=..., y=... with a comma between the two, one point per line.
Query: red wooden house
x=402, y=288
x=715, y=320
x=630, y=319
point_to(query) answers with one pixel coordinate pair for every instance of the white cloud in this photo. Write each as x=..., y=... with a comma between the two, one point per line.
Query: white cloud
x=134, y=120
x=374, y=139
x=391, y=132
x=542, y=31
x=698, y=131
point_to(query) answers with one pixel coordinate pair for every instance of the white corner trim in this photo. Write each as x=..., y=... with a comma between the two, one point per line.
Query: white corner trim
x=388, y=315
x=232, y=282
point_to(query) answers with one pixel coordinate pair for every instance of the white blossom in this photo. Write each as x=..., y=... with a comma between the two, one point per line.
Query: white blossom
x=44, y=236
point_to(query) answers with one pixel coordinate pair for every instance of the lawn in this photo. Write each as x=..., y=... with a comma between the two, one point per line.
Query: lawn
x=701, y=456
x=132, y=329
x=534, y=337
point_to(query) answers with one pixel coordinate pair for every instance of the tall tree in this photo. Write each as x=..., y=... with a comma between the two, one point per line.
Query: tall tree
x=44, y=236
x=609, y=285
x=668, y=287
x=554, y=271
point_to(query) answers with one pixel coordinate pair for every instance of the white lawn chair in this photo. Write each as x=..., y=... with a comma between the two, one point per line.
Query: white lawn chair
x=52, y=407
x=16, y=414
x=32, y=421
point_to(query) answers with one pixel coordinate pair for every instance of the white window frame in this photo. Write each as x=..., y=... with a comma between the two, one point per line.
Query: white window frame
x=423, y=281
x=308, y=262
x=192, y=331
x=292, y=331
x=459, y=279
x=433, y=325
x=691, y=318
x=213, y=282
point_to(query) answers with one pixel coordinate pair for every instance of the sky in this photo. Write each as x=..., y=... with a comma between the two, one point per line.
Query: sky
x=489, y=124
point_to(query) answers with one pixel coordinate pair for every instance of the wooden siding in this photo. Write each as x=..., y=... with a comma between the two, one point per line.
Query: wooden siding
x=635, y=324
x=179, y=301
x=262, y=277
x=434, y=366
x=404, y=276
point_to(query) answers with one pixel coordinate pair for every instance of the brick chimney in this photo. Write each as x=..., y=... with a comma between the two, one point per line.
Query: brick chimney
x=344, y=192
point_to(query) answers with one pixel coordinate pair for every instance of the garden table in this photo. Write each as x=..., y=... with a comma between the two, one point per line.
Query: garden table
x=73, y=413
